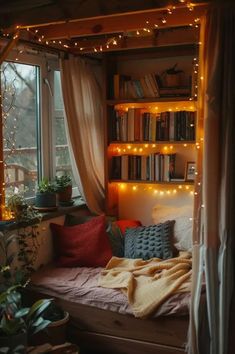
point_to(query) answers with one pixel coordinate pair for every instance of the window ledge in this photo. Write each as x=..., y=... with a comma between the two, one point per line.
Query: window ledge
x=78, y=204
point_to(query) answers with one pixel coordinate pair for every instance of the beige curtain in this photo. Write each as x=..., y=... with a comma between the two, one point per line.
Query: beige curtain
x=214, y=224
x=83, y=110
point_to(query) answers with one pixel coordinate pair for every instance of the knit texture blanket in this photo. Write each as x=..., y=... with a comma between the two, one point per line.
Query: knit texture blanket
x=148, y=284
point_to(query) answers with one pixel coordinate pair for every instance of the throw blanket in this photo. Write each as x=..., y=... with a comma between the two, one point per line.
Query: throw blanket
x=147, y=284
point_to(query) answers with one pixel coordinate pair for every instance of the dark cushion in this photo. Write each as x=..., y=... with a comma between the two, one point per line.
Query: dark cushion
x=84, y=245
x=116, y=239
x=149, y=241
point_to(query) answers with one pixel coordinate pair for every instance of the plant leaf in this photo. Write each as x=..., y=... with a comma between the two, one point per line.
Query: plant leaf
x=22, y=312
x=38, y=307
x=43, y=325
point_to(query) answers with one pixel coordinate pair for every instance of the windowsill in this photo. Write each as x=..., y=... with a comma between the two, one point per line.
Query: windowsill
x=78, y=204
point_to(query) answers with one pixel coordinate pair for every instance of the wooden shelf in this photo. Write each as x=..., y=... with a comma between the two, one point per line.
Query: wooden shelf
x=165, y=142
x=149, y=100
x=152, y=182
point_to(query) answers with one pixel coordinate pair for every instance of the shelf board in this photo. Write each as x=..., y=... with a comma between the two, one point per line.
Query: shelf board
x=152, y=182
x=166, y=142
x=149, y=100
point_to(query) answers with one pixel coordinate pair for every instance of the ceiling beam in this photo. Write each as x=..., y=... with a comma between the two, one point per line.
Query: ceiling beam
x=170, y=37
x=125, y=22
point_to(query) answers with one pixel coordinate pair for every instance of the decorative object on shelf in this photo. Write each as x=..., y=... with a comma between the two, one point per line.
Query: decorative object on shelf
x=64, y=189
x=190, y=171
x=18, y=323
x=172, y=77
x=45, y=198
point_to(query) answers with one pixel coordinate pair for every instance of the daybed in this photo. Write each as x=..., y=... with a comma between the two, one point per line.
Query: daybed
x=101, y=319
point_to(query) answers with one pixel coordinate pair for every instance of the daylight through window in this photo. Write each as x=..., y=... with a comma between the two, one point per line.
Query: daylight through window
x=20, y=120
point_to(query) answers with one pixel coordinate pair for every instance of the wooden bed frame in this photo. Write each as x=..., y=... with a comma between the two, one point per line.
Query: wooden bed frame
x=103, y=331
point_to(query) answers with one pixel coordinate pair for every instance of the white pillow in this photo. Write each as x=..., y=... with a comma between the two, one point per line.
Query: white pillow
x=183, y=223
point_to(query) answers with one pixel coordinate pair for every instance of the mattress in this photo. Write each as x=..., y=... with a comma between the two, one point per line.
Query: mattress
x=80, y=285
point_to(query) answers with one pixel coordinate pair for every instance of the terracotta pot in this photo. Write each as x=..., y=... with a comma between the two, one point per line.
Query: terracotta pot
x=54, y=334
x=65, y=194
x=172, y=80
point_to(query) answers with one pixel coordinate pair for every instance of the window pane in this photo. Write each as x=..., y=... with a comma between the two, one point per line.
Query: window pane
x=63, y=162
x=20, y=117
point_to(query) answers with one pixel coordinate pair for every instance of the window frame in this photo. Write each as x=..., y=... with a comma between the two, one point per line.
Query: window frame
x=47, y=63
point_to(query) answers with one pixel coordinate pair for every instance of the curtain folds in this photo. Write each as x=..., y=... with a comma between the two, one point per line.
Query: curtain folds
x=84, y=124
x=216, y=203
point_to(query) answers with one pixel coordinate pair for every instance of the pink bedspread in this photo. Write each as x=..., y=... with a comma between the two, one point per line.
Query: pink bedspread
x=80, y=285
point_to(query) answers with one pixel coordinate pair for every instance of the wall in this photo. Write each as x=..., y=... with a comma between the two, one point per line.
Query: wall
x=139, y=203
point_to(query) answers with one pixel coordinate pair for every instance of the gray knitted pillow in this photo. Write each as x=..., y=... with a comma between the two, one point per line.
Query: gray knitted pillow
x=149, y=241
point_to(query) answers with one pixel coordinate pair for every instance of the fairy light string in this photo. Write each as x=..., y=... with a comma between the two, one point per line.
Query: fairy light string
x=146, y=27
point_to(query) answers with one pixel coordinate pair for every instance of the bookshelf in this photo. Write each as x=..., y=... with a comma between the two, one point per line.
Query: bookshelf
x=150, y=133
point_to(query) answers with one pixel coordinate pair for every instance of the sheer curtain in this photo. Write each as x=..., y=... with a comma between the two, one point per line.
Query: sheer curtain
x=84, y=123
x=215, y=204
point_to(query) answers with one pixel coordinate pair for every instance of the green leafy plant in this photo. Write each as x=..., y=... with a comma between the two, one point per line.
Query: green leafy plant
x=15, y=319
x=23, y=233
x=53, y=313
x=46, y=186
x=63, y=181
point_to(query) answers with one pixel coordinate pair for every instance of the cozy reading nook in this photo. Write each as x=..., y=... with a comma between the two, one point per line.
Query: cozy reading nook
x=129, y=108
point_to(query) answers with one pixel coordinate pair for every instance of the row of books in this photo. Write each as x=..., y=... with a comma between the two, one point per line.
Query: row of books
x=147, y=86
x=124, y=86
x=135, y=125
x=153, y=167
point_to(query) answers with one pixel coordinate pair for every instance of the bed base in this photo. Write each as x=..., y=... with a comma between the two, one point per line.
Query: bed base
x=96, y=330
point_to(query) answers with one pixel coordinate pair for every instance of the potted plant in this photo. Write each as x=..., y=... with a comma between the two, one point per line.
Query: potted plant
x=55, y=333
x=64, y=189
x=46, y=195
x=18, y=323
x=172, y=76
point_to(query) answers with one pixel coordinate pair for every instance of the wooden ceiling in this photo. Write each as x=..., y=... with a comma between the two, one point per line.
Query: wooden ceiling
x=31, y=12
x=96, y=25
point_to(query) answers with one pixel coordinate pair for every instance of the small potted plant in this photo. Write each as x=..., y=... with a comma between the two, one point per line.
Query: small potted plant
x=46, y=195
x=172, y=76
x=55, y=333
x=18, y=323
x=64, y=189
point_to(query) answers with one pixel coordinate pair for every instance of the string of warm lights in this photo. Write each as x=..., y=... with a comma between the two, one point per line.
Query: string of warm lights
x=147, y=27
x=163, y=190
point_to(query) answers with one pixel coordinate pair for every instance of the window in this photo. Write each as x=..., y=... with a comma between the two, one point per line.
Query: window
x=20, y=100
x=34, y=138
x=62, y=156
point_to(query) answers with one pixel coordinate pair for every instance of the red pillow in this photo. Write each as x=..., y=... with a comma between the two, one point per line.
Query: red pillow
x=124, y=224
x=85, y=245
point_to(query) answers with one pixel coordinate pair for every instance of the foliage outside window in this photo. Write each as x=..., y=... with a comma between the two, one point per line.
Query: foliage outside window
x=19, y=83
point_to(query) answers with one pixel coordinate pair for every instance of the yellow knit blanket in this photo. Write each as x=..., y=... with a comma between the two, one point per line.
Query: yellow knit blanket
x=148, y=284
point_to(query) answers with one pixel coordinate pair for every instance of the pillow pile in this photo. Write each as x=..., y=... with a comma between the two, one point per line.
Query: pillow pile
x=92, y=241
x=150, y=241
x=85, y=245
x=115, y=230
